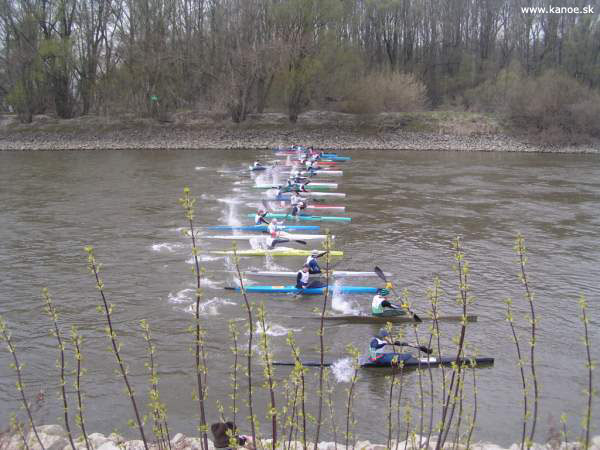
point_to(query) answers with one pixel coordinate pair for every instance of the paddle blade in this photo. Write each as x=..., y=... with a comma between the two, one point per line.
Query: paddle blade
x=301, y=242
x=229, y=288
x=425, y=349
x=380, y=273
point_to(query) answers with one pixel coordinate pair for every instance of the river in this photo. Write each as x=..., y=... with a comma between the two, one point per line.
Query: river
x=406, y=208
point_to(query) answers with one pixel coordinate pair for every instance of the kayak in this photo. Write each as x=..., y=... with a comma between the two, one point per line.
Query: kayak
x=281, y=251
x=264, y=227
x=317, y=173
x=287, y=196
x=409, y=362
x=308, y=187
x=333, y=273
x=291, y=289
x=306, y=217
x=317, y=208
x=256, y=169
x=366, y=318
x=247, y=237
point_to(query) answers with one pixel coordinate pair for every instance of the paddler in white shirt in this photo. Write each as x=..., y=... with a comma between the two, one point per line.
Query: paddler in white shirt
x=302, y=277
x=257, y=165
x=297, y=203
x=381, y=307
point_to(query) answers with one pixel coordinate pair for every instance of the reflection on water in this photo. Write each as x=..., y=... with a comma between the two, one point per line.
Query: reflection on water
x=406, y=208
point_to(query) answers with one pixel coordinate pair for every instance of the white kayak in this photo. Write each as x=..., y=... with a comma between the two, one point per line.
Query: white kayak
x=283, y=235
x=318, y=173
x=333, y=273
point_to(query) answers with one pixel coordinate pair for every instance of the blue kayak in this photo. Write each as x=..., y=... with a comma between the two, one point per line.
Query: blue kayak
x=264, y=227
x=308, y=291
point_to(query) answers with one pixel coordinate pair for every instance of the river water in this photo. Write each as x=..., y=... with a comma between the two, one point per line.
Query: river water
x=406, y=208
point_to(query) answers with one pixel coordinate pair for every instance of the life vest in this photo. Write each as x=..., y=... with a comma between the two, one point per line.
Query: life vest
x=376, y=307
x=304, y=276
x=376, y=348
x=257, y=218
x=272, y=228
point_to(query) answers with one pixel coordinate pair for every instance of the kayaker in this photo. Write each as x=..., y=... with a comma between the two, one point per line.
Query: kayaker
x=272, y=228
x=302, y=277
x=311, y=262
x=377, y=353
x=297, y=203
x=259, y=218
x=257, y=164
x=380, y=306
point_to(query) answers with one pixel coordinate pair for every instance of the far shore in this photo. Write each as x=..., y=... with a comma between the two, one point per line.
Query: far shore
x=426, y=131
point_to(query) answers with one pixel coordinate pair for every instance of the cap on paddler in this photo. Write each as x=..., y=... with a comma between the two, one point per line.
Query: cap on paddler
x=383, y=292
x=383, y=333
x=317, y=253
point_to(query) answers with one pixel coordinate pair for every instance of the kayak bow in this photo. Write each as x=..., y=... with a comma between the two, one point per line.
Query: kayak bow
x=282, y=251
x=263, y=227
x=306, y=217
x=308, y=291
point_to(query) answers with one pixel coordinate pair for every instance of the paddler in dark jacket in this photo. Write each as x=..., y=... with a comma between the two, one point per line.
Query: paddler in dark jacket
x=311, y=261
x=377, y=353
x=298, y=203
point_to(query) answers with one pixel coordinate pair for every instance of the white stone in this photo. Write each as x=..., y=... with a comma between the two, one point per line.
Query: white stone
x=52, y=430
x=595, y=444
x=329, y=446
x=133, y=445
x=116, y=438
x=363, y=445
x=109, y=445
x=50, y=442
x=178, y=437
x=97, y=439
x=193, y=443
x=14, y=443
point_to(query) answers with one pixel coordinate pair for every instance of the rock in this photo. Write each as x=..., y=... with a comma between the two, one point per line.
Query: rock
x=329, y=446
x=50, y=442
x=133, y=445
x=193, y=443
x=97, y=440
x=116, y=438
x=52, y=430
x=109, y=445
x=595, y=444
x=15, y=442
x=178, y=437
x=363, y=445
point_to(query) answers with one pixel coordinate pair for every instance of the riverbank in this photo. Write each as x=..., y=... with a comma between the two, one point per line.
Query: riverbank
x=54, y=437
x=433, y=130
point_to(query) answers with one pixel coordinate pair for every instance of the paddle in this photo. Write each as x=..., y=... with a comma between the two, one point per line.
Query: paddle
x=421, y=348
x=381, y=275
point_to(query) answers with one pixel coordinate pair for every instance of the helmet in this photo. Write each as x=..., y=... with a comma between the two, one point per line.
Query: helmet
x=383, y=333
x=383, y=292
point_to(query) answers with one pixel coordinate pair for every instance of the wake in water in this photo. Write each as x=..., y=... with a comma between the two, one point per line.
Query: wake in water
x=273, y=329
x=210, y=307
x=167, y=246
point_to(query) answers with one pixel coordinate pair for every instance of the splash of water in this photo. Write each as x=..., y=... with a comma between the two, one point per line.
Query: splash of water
x=273, y=329
x=339, y=303
x=342, y=370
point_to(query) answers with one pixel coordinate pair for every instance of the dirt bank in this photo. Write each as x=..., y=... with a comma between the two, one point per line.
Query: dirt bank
x=415, y=131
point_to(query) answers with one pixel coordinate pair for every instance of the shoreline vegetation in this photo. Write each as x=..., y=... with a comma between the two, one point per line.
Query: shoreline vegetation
x=422, y=131
x=54, y=437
